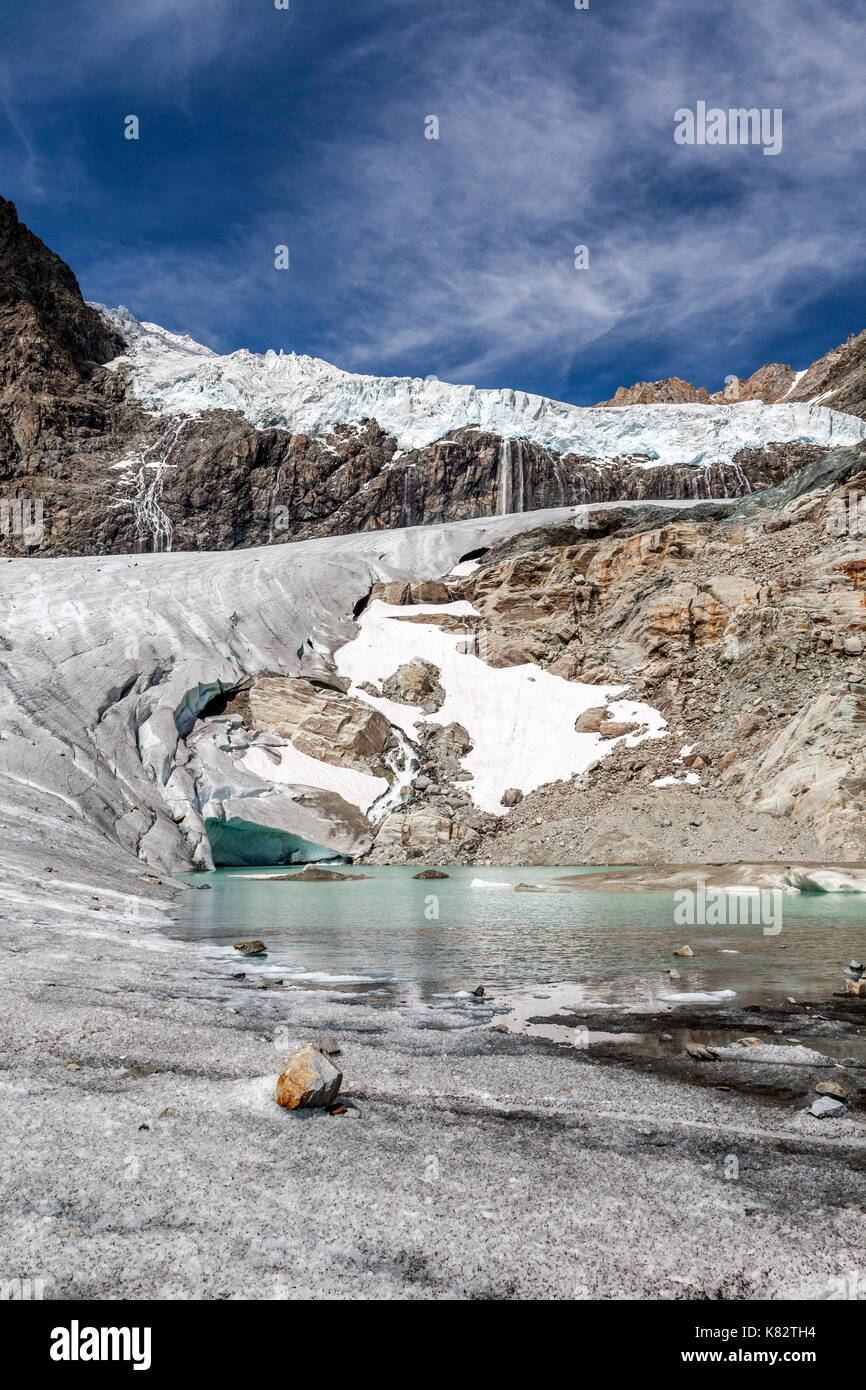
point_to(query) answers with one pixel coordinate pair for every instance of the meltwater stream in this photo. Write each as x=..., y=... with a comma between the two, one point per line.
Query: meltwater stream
x=393, y=936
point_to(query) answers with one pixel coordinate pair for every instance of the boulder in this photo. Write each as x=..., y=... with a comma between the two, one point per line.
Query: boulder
x=313, y=874
x=590, y=721
x=826, y=1106
x=748, y=725
x=697, y=758
x=442, y=748
x=419, y=829
x=617, y=728
x=601, y=721
x=507, y=647
x=398, y=592
x=831, y=1088
x=307, y=1079
x=512, y=796
x=416, y=682
x=323, y=723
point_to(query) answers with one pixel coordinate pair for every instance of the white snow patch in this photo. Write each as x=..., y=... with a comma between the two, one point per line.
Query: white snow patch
x=798, y=376
x=465, y=567
x=690, y=779
x=295, y=768
x=174, y=374
x=520, y=718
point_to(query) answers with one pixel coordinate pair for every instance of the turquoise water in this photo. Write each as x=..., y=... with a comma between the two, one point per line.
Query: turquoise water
x=394, y=936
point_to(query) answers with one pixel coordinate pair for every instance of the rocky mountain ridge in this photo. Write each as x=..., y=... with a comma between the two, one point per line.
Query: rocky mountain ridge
x=174, y=447
x=838, y=379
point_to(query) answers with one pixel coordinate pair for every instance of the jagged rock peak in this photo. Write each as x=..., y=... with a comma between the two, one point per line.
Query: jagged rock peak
x=837, y=380
x=45, y=324
x=672, y=391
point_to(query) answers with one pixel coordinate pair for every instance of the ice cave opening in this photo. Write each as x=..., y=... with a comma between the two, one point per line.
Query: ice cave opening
x=238, y=843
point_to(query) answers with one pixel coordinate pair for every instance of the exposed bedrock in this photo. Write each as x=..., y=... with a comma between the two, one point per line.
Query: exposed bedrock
x=63, y=418
x=286, y=487
x=747, y=632
x=138, y=483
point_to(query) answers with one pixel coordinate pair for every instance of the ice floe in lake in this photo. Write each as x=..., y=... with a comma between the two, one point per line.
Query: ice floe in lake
x=716, y=996
x=826, y=880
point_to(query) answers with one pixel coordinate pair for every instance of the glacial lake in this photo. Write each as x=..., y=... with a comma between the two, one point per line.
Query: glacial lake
x=392, y=937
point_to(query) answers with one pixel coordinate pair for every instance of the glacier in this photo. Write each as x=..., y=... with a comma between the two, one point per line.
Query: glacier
x=111, y=661
x=174, y=375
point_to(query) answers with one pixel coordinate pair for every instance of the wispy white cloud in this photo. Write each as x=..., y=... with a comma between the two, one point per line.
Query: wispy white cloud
x=456, y=256
x=154, y=44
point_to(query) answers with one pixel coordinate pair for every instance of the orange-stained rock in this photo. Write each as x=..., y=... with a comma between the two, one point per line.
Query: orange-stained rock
x=327, y=724
x=398, y=592
x=309, y=1078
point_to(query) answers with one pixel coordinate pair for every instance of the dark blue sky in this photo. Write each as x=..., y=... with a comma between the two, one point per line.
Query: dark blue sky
x=455, y=257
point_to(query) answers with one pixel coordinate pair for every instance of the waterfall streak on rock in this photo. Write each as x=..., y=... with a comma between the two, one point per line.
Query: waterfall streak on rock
x=151, y=522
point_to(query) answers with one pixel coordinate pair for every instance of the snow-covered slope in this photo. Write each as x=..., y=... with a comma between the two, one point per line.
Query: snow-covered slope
x=174, y=374
x=520, y=719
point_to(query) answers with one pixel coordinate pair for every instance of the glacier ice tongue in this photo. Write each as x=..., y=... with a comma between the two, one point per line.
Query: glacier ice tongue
x=111, y=659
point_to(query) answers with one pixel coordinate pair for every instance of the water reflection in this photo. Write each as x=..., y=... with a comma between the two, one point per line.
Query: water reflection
x=412, y=939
